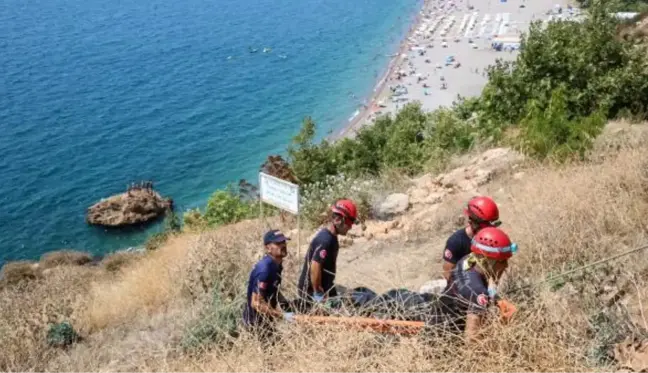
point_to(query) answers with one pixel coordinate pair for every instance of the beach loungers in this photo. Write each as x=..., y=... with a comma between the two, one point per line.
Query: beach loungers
x=471, y=24
x=463, y=24
x=505, y=24
x=484, y=25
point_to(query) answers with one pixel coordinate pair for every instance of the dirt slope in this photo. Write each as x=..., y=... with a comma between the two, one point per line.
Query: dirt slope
x=139, y=317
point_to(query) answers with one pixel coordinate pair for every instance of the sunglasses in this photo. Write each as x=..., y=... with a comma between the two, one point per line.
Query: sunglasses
x=477, y=220
x=347, y=220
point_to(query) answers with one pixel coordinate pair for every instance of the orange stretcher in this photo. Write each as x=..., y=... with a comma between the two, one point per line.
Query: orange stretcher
x=364, y=323
x=507, y=310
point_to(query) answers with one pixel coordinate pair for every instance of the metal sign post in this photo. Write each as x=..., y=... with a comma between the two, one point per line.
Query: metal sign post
x=281, y=194
x=263, y=225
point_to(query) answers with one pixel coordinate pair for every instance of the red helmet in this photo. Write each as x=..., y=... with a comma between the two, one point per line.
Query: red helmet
x=493, y=243
x=483, y=210
x=346, y=208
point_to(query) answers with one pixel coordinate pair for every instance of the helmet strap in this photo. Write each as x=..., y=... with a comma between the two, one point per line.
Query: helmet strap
x=474, y=226
x=337, y=225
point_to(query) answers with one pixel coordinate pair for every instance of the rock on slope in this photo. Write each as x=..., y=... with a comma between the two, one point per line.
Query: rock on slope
x=136, y=206
x=402, y=214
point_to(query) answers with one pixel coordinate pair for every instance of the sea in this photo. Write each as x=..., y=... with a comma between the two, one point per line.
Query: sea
x=192, y=95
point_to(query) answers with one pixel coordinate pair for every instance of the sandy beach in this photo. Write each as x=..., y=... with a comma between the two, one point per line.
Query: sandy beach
x=447, y=51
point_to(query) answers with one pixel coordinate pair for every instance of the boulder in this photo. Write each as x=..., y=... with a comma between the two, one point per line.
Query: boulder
x=380, y=229
x=632, y=354
x=136, y=206
x=423, y=181
x=357, y=230
x=480, y=169
x=418, y=195
x=394, y=204
x=345, y=241
x=434, y=198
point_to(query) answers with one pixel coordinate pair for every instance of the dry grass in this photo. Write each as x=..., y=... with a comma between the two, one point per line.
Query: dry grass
x=115, y=261
x=139, y=317
x=14, y=273
x=64, y=257
x=140, y=289
x=27, y=309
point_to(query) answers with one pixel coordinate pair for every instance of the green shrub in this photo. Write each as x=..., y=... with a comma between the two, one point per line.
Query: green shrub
x=156, y=240
x=193, y=220
x=317, y=198
x=225, y=206
x=448, y=131
x=619, y=5
x=61, y=335
x=407, y=142
x=404, y=145
x=600, y=72
x=310, y=162
x=172, y=222
x=549, y=133
x=219, y=323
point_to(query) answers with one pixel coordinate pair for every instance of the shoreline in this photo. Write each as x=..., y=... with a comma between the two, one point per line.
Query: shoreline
x=445, y=54
x=351, y=126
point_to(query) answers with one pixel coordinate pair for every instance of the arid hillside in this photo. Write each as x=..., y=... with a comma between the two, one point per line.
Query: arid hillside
x=174, y=308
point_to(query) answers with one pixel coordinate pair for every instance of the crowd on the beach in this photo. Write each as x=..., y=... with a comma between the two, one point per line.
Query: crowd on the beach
x=447, y=52
x=421, y=42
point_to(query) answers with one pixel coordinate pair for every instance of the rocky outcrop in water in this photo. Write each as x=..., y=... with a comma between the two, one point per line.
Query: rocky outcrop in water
x=138, y=205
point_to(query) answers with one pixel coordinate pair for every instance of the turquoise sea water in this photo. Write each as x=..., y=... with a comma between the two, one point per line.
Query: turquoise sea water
x=95, y=94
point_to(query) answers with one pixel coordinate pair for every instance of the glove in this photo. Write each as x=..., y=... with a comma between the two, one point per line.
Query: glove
x=506, y=308
x=319, y=297
x=289, y=316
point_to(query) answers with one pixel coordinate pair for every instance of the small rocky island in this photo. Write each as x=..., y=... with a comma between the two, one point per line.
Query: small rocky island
x=139, y=204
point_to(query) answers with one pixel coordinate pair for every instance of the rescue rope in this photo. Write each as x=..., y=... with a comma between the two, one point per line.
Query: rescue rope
x=644, y=247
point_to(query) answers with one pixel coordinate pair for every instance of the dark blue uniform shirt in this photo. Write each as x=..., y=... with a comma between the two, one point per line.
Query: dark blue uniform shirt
x=457, y=246
x=468, y=289
x=324, y=250
x=265, y=279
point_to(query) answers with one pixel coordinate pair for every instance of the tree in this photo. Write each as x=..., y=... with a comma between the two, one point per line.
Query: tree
x=225, y=206
x=598, y=69
x=310, y=162
x=547, y=132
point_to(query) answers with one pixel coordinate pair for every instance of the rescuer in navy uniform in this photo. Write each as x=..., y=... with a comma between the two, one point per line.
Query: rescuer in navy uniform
x=317, y=279
x=263, y=295
x=481, y=212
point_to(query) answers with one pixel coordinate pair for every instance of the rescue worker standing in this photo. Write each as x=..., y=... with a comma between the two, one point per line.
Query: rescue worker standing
x=263, y=287
x=470, y=288
x=481, y=212
x=317, y=278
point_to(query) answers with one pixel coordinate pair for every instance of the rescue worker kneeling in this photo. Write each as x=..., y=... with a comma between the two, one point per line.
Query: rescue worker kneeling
x=263, y=294
x=472, y=285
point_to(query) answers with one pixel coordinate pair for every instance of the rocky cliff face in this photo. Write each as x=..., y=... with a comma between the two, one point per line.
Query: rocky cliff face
x=135, y=206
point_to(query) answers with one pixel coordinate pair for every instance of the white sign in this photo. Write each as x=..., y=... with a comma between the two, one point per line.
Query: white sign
x=279, y=193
